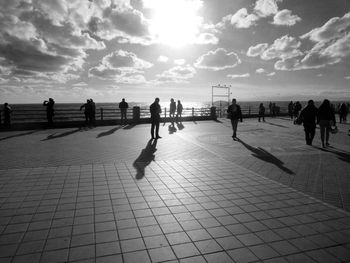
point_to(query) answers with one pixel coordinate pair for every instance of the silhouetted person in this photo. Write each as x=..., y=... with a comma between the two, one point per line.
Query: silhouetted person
x=7, y=115
x=87, y=111
x=50, y=111
x=309, y=117
x=172, y=110
x=93, y=113
x=270, y=107
x=273, y=108
x=235, y=114
x=123, y=106
x=261, y=112
x=290, y=109
x=155, y=118
x=296, y=109
x=343, y=112
x=179, y=109
x=326, y=119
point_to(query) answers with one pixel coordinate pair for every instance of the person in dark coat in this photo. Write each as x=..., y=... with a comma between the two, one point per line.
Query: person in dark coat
x=261, y=112
x=87, y=111
x=290, y=109
x=50, y=111
x=7, y=115
x=179, y=109
x=123, y=106
x=155, y=118
x=326, y=119
x=308, y=116
x=234, y=112
x=343, y=112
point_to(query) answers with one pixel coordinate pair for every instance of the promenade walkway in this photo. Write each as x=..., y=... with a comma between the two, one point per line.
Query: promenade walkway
x=109, y=194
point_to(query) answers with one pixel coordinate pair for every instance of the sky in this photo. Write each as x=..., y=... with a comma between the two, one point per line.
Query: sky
x=262, y=50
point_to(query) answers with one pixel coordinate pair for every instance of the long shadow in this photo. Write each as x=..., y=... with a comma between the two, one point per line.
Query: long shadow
x=342, y=155
x=180, y=126
x=109, y=132
x=17, y=135
x=172, y=129
x=264, y=155
x=145, y=158
x=218, y=121
x=129, y=126
x=60, y=135
x=278, y=125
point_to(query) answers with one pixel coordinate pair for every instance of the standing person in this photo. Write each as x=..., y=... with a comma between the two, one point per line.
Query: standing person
x=87, y=111
x=172, y=108
x=343, y=112
x=7, y=115
x=261, y=112
x=296, y=109
x=270, y=107
x=326, y=119
x=155, y=118
x=92, y=113
x=179, y=109
x=273, y=110
x=235, y=114
x=308, y=117
x=50, y=111
x=290, y=109
x=123, y=106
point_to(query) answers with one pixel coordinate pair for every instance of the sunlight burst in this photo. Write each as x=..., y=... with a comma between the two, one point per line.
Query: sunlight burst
x=175, y=22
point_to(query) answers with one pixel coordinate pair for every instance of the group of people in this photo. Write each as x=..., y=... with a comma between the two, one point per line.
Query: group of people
x=89, y=112
x=294, y=109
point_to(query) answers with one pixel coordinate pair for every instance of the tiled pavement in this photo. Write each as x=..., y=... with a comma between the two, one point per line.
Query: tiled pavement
x=78, y=197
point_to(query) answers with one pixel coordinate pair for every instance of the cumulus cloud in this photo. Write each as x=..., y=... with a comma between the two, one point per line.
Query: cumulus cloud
x=121, y=66
x=257, y=50
x=162, y=59
x=241, y=19
x=260, y=70
x=235, y=76
x=271, y=74
x=218, y=59
x=266, y=8
x=285, y=18
x=283, y=48
x=180, y=61
x=177, y=74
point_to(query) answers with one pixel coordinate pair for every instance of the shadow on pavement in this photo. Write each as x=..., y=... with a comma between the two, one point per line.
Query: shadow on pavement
x=342, y=155
x=60, y=135
x=17, y=135
x=172, y=129
x=145, y=158
x=278, y=125
x=129, y=126
x=266, y=156
x=106, y=133
x=180, y=126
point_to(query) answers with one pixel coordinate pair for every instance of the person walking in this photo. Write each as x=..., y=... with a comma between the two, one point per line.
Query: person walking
x=155, y=118
x=297, y=107
x=261, y=112
x=235, y=114
x=290, y=109
x=179, y=110
x=7, y=115
x=326, y=119
x=172, y=110
x=50, y=111
x=343, y=112
x=123, y=106
x=308, y=116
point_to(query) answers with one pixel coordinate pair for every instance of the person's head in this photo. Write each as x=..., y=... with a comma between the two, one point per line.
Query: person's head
x=123, y=100
x=261, y=104
x=310, y=103
x=178, y=101
x=87, y=100
x=91, y=100
x=156, y=100
x=234, y=101
x=326, y=103
x=172, y=100
x=50, y=99
x=5, y=104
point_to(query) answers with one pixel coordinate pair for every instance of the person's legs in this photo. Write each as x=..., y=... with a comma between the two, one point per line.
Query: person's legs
x=322, y=130
x=307, y=134
x=234, y=127
x=312, y=133
x=327, y=135
x=152, y=129
x=157, y=129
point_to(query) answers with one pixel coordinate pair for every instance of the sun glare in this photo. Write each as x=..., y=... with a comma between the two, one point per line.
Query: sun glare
x=175, y=22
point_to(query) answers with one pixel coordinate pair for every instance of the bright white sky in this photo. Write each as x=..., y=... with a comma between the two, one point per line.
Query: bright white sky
x=109, y=49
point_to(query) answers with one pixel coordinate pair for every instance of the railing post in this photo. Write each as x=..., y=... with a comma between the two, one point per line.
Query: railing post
x=249, y=111
x=101, y=113
x=192, y=112
x=136, y=114
x=164, y=112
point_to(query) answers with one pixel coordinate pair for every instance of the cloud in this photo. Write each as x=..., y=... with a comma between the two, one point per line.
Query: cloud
x=218, y=59
x=177, y=74
x=179, y=61
x=347, y=77
x=260, y=70
x=283, y=48
x=266, y=8
x=235, y=76
x=241, y=19
x=257, y=50
x=121, y=66
x=285, y=18
x=271, y=74
x=162, y=59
